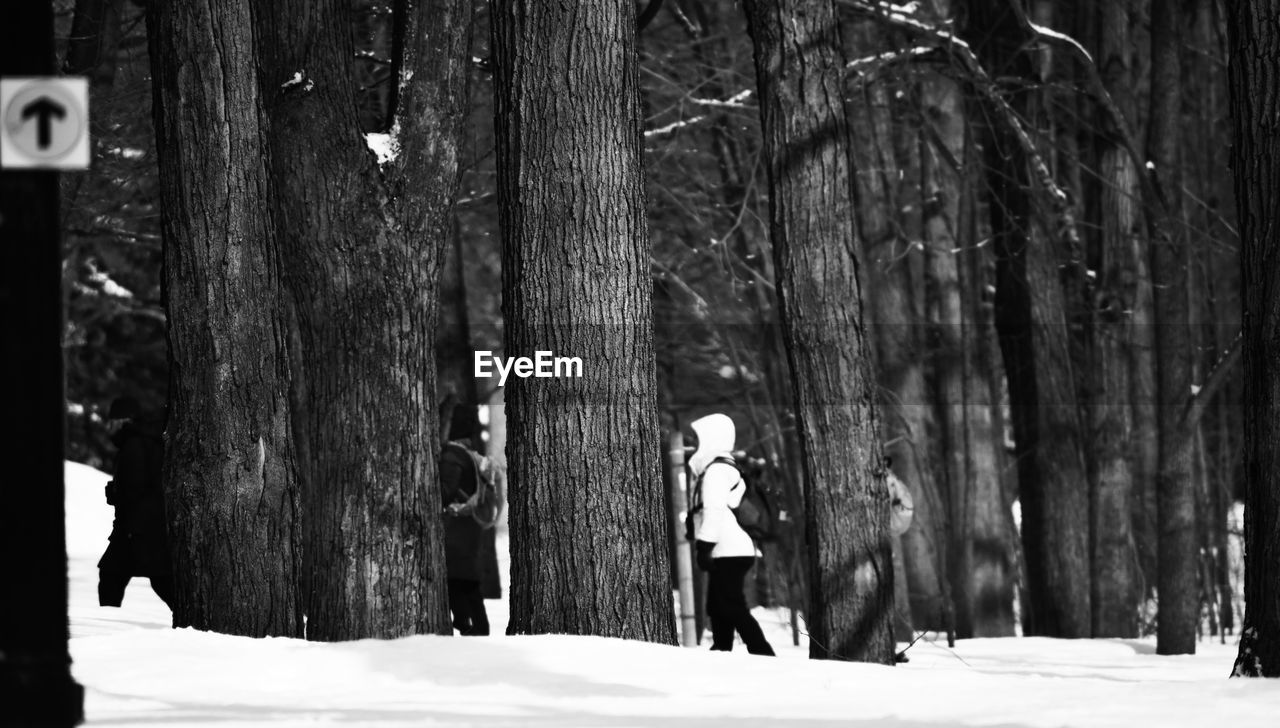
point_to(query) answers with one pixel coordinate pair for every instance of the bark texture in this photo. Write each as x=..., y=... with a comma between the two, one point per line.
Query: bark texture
x=301, y=276
x=1032, y=326
x=231, y=488
x=588, y=531
x=981, y=559
x=1254, y=70
x=893, y=293
x=1177, y=549
x=800, y=76
x=1121, y=271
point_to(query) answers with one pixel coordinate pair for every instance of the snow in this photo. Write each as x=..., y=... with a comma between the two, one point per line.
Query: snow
x=1062, y=37
x=138, y=672
x=384, y=146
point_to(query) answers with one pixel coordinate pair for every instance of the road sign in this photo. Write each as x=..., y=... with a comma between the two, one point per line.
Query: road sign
x=44, y=123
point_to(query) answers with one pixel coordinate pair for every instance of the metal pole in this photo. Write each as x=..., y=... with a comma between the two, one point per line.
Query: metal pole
x=684, y=558
x=36, y=688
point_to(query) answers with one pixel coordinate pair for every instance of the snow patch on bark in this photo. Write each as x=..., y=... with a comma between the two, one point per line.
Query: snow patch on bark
x=386, y=147
x=299, y=78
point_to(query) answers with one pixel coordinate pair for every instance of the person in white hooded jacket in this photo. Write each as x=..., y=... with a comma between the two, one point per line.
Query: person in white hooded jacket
x=724, y=550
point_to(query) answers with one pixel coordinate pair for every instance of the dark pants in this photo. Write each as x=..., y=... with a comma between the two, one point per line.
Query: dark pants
x=111, y=585
x=727, y=607
x=467, y=606
x=116, y=569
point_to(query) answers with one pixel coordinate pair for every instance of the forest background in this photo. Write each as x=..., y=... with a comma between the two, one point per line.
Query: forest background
x=1014, y=158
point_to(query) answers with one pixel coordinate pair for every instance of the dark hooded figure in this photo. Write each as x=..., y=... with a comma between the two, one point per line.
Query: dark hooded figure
x=139, y=542
x=463, y=536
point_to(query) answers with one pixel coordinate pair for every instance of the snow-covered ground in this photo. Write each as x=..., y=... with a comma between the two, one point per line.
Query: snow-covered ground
x=138, y=672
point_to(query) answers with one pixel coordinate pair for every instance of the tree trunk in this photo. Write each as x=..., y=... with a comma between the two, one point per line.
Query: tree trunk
x=94, y=42
x=1052, y=481
x=981, y=564
x=455, y=369
x=1117, y=586
x=304, y=302
x=236, y=558
x=800, y=76
x=1254, y=28
x=890, y=285
x=588, y=531
x=1177, y=561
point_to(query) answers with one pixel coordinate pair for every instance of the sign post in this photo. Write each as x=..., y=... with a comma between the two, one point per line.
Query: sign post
x=36, y=687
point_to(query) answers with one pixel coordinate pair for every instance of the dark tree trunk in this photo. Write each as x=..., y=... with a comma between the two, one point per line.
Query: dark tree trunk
x=302, y=291
x=1254, y=28
x=1053, y=487
x=94, y=41
x=236, y=558
x=982, y=563
x=1117, y=586
x=800, y=75
x=454, y=356
x=588, y=531
x=890, y=282
x=1177, y=560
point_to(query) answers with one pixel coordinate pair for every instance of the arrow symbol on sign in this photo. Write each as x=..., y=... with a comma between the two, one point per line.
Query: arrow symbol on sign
x=44, y=110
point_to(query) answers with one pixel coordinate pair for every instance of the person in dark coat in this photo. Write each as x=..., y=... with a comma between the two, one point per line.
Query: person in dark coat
x=463, y=536
x=139, y=538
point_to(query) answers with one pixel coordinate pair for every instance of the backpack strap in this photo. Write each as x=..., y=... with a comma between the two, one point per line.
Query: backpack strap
x=728, y=460
x=697, y=490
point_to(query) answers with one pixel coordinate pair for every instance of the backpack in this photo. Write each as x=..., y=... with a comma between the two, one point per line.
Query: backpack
x=755, y=513
x=485, y=504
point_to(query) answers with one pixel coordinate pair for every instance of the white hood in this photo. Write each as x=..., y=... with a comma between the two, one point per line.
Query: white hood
x=716, y=436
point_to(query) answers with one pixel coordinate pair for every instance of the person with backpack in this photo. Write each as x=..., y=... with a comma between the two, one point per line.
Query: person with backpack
x=724, y=550
x=139, y=544
x=469, y=485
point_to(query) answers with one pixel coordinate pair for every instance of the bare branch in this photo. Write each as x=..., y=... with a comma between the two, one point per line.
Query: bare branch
x=1198, y=400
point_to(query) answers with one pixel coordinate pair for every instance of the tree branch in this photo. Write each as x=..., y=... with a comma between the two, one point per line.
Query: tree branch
x=1199, y=400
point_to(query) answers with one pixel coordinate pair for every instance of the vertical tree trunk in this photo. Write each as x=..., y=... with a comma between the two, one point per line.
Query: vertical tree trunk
x=1032, y=328
x=364, y=241
x=231, y=488
x=302, y=462
x=588, y=534
x=94, y=41
x=981, y=564
x=800, y=75
x=890, y=286
x=454, y=356
x=1177, y=562
x=1117, y=588
x=1254, y=28
x=1207, y=82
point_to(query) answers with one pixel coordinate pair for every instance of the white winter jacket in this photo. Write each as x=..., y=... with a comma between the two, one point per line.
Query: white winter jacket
x=715, y=523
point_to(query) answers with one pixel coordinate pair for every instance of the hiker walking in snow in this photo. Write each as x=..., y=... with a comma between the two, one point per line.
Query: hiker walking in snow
x=139, y=544
x=724, y=550
x=469, y=515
